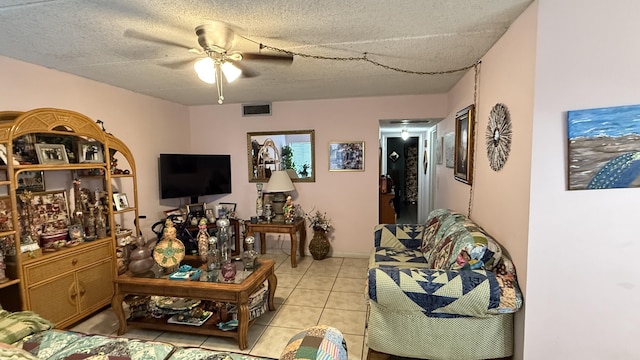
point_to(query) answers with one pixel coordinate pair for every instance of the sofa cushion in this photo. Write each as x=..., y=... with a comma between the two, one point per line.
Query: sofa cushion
x=398, y=257
x=397, y=236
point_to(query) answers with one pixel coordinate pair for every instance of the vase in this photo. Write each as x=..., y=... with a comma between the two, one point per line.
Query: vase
x=319, y=246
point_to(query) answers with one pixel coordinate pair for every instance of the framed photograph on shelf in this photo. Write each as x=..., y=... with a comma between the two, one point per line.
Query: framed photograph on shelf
x=51, y=154
x=120, y=201
x=346, y=156
x=176, y=215
x=230, y=209
x=196, y=209
x=90, y=152
x=31, y=181
x=463, y=149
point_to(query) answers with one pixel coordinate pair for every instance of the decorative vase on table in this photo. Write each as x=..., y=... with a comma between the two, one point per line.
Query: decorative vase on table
x=319, y=246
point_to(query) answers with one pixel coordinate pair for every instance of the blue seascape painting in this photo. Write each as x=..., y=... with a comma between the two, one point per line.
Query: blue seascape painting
x=604, y=148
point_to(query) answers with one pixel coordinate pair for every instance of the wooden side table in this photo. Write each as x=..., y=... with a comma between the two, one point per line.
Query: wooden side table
x=281, y=228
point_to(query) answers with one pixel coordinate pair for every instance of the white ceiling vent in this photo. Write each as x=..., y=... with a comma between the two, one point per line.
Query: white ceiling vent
x=256, y=109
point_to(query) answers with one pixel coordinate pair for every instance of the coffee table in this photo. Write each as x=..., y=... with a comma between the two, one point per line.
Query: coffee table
x=237, y=293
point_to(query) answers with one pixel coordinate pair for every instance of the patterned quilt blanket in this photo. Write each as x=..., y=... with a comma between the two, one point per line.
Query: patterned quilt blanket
x=439, y=293
x=69, y=345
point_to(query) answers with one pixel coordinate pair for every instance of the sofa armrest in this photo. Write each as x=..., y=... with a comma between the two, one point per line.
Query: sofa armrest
x=438, y=293
x=399, y=236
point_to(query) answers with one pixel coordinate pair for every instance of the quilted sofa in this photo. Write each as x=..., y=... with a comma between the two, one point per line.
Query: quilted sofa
x=444, y=289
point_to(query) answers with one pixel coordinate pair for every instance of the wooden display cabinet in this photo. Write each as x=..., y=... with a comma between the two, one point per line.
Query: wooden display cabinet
x=69, y=282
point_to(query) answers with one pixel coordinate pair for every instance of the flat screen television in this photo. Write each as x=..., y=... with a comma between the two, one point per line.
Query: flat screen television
x=193, y=175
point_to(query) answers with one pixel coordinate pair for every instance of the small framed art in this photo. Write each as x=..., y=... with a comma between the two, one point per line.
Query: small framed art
x=90, y=152
x=51, y=154
x=120, y=201
x=230, y=209
x=463, y=150
x=31, y=181
x=346, y=156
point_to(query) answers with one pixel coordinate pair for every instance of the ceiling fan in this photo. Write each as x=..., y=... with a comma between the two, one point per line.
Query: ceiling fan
x=218, y=61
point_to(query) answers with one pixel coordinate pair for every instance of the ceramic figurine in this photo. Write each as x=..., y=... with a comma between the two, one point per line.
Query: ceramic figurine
x=203, y=239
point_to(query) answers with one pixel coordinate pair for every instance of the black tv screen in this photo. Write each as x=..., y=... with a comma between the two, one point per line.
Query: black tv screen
x=192, y=175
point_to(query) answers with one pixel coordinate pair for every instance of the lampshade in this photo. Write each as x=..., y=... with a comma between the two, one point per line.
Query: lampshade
x=279, y=182
x=404, y=134
x=231, y=72
x=205, y=68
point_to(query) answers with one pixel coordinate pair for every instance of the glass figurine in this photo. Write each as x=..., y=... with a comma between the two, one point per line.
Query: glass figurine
x=249, y=256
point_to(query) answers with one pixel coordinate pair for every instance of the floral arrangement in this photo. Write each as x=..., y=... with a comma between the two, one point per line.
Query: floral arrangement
x=319, y=221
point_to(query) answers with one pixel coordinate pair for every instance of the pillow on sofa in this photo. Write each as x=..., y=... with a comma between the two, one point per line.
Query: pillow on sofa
x=438, y=221
x=466, y=246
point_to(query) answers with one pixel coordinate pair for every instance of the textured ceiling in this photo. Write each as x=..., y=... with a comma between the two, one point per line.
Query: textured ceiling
x=87, y=38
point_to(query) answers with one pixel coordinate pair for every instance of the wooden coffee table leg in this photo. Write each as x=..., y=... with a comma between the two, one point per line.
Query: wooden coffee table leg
x=243, y=325
x=294, y=246
x=303, y=239
x=116, y=304
x=273, y=283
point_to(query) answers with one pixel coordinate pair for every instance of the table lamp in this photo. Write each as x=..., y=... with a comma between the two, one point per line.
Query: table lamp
x=279, y=183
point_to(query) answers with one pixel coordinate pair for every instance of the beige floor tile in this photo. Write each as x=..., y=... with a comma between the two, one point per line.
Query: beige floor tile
x=286, y=268
x=231, y=344
x=355, y=346
x=182, y=339
x=266, y=318
x=316, y=282
x=346, y=301
x=288, y=280
x=347, y=321
x=352, y=272
x=278, y=257
x=333, y=261
x=302, y=264
x=273, y=341
x=308, y=297
x=297, y=317
x=349, y=285
x=282, y=293
x=103, y=323
x=143, y=334
x=317, y=269
x=356, y=262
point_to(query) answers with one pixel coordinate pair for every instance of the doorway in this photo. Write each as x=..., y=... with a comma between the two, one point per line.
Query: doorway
x=402, y=167
x=406, y=162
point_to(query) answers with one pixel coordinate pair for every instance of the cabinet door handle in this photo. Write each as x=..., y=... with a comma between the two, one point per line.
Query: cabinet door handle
x=82, y=289
x=72, y=294
x=74, y=261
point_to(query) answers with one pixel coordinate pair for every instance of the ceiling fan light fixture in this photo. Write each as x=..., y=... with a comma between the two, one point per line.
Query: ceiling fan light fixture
x=231, y=72
x=404, y=134
x=205, y=68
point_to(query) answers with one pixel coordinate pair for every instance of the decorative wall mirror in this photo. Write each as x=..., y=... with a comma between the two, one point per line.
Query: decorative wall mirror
x=281, y=150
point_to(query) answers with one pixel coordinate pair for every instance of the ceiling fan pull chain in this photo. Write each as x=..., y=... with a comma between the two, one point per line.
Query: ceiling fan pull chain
x=219, y=82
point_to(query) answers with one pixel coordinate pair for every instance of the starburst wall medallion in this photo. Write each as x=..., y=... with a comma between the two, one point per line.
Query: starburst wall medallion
x=498, y=136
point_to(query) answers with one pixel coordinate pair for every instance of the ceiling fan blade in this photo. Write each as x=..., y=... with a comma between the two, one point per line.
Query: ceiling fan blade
x=246, y=72
x=178, y=64
x=283, y=59
x=134, y=34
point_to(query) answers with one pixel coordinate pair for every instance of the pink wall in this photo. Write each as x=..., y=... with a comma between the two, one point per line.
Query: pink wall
x=583, y=287
x=147, y=125
x=349, y=198
x=500, y=200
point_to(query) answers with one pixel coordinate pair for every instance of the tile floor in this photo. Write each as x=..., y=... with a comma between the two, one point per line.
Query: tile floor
x=317, y=292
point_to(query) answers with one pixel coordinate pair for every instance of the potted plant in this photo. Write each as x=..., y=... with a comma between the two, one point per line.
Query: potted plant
x=319, y=246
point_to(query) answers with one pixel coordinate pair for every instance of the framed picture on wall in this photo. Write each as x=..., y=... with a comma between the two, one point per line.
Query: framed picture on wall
x=346, y=156
x=463, y=148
